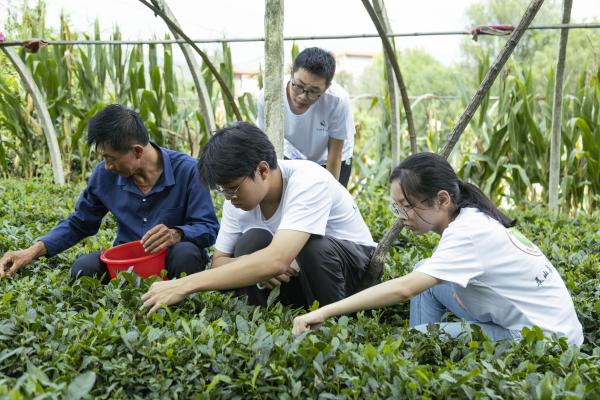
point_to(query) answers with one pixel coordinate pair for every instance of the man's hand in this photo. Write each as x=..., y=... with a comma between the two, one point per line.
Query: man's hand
x=13, y=261
x=163, y=293
x=279, y=279
x=308, y=322
x=160, y=237
x=274, y=282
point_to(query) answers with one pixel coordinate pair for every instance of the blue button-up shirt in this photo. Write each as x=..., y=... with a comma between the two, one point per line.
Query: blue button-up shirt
x=177, y=200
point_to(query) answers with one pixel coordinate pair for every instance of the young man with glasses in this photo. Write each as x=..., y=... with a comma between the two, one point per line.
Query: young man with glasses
x=153, y=193
x=285, y=223
x=317, y=116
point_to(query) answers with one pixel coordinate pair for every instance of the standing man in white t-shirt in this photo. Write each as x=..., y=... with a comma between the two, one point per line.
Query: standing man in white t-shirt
x=285, y=223
x=317, y=116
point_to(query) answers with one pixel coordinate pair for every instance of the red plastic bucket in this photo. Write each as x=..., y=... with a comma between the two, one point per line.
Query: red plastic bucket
x=132, y=254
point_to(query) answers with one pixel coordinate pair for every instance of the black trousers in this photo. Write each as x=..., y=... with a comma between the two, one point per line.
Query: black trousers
x=181, y=257
x=345, y=172
x=330, y=269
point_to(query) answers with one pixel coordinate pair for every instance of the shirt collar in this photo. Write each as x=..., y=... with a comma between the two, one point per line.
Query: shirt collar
x=166, y=179
x=169, y=178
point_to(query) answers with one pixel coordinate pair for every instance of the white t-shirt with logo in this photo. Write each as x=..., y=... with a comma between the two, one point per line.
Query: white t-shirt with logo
x=306, y=135
x=499, y=276
x=312, y=201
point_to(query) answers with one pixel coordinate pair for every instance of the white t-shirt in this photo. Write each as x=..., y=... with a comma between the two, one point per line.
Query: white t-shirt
x=312, y=201
x=306, y=135
x=499, y=276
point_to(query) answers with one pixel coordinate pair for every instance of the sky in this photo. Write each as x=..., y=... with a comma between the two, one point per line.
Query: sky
x=244, y=18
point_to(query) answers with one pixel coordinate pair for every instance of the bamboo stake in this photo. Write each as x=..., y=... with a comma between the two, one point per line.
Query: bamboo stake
x=174, y=27
x=392, y=57
x=42, y=110
x=555, y=138
x=201, y=90
x=273, y=93
x=491, y=76
x=379, y=7
x=290, y=38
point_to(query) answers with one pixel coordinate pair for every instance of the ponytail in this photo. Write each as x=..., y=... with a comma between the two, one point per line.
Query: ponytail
x=471, y=196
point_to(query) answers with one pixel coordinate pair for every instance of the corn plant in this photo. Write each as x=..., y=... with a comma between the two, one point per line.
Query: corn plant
x=510, y=141
x=17, y=136
x=246, y=101
x=581, y=145
x=77, y=82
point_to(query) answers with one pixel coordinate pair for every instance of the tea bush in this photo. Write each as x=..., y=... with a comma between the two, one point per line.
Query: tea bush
x=84, y=340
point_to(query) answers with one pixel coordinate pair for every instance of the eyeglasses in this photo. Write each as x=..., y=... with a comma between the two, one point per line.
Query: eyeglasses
x=399, y=211
x=229, y=193
x=300, y=89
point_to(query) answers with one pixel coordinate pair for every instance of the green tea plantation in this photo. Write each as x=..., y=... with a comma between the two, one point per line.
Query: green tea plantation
x=77, y=340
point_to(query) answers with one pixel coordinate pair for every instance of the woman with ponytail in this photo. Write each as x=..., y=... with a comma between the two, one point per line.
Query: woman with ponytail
x=484, y=270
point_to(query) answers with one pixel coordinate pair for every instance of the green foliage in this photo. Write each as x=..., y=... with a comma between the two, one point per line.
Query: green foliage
x=511, y=141
x=246, y=102
x=510, y=12
x=295, y=51
x=421, y=72
x=77, y=81
x=537, y=48
x=505, y=148
x=84, y=340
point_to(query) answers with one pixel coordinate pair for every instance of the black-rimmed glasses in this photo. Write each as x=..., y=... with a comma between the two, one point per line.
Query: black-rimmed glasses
x=300, y=89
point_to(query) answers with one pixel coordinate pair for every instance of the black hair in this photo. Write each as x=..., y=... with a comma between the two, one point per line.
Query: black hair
x=423, y=175
x=233, y=152
x=117, y=126
x=316, y=61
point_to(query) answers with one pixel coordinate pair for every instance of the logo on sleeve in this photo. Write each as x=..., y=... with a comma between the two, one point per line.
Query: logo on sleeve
x=522, y=243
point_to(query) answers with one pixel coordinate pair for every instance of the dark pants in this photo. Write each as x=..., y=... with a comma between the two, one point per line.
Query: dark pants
x=330, y=269
x=181, y=257
x=345, y=171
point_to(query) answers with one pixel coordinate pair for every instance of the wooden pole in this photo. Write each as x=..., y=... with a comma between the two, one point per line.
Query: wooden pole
x=379, y=7
x=491, y=76
x=154, y=6
x=42, y=111
x=273, y=94
x=555, y=139
x=201, y=90
x=387, y=47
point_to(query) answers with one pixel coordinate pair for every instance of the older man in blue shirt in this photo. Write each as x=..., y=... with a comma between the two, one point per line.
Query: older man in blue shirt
x=155, y=195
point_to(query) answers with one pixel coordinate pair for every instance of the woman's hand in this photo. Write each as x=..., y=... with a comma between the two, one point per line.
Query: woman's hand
x=308, y=322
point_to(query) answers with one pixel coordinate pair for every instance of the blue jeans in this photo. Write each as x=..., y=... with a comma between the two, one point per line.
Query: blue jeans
x=430, y=306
